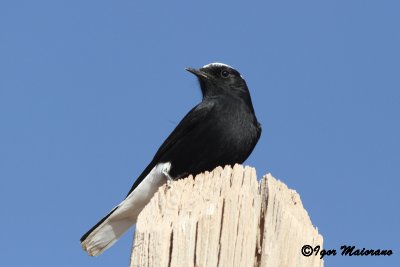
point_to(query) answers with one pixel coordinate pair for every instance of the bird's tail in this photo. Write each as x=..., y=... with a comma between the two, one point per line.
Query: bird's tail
x=109, y=229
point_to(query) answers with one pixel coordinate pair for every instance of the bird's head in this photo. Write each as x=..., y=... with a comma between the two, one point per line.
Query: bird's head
x=220, y=79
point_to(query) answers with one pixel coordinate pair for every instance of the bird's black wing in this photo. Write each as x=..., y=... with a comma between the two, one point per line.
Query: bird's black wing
x=187, y=124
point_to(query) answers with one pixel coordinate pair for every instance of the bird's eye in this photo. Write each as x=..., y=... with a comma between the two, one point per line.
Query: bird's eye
x=224, y=73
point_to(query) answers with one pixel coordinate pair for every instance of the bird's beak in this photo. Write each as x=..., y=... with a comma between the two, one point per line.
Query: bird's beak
x=198, y=73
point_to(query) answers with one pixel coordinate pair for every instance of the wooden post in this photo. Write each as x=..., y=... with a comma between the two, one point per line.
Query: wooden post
x=225, y=218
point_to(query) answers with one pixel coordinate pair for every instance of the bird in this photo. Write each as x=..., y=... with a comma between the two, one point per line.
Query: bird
x=221, y=130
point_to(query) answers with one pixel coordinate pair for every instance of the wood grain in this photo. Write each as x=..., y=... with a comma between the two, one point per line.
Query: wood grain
x=225, y=218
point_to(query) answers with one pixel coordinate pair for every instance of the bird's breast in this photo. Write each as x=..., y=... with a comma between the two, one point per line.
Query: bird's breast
x=236, y=128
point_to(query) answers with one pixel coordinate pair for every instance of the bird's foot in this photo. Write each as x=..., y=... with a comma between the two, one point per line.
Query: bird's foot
x=169, y=183
x=165, y=171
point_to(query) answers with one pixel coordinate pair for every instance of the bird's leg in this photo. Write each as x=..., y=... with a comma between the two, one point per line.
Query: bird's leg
x=165, y=171
x=169, y=182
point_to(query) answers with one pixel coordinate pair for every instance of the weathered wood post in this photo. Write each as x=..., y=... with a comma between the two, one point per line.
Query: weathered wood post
x=225, y=218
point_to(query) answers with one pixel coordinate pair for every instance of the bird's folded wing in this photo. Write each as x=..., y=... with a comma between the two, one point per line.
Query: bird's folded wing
x=187, y=124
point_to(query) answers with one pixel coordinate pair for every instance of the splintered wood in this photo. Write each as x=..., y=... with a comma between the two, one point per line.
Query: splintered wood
x=225, y=218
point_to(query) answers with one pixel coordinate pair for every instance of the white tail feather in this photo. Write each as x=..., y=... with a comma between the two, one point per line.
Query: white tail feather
x=126, y=213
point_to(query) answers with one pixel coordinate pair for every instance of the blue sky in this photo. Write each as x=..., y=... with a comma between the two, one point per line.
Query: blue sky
x=90, y=89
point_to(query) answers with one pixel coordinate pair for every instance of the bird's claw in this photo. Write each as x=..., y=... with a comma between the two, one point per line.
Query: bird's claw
x=169, y=182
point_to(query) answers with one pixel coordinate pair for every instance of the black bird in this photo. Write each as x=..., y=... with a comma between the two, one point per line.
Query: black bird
x=221, y=130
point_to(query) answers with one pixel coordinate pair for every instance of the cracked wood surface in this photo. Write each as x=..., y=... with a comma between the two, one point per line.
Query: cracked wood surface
x=225, y=218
